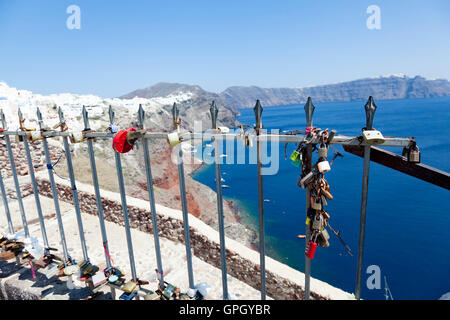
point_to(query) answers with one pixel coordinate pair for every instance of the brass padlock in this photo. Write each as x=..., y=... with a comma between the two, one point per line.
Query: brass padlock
x=77, y=137
x=129, y=287
x=34, y=136
x=414, y=154
x=316, y=205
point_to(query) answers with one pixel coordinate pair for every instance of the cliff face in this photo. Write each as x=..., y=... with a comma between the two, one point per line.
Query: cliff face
x=392, y=87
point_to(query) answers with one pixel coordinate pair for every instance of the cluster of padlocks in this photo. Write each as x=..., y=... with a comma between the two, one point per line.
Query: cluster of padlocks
x=319, y=189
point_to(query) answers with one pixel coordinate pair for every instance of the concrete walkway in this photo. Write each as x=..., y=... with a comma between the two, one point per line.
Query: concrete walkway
x=173, y=254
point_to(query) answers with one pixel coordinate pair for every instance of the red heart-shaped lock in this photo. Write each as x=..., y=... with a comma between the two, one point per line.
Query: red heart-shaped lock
x=120, y=143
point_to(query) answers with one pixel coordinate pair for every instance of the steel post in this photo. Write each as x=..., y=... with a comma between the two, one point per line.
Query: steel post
x=151, y=196
x=16, y=180
x=214, y=112
x=370, y=109
x=54, y=190
x=96, y=189
x=262, y=248
x=123, y=198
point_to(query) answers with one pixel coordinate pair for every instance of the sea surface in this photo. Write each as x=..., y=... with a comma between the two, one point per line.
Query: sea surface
x=408, y=220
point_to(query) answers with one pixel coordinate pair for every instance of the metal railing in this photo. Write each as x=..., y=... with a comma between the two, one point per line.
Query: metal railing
x=260, y=136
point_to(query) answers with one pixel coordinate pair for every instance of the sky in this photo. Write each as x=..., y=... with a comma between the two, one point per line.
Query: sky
x=127, y=45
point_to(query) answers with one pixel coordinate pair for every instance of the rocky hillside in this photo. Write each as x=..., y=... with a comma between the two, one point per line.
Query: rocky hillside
x=388, y=87
x=194, y=106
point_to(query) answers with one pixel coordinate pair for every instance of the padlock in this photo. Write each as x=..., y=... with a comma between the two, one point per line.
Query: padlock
x=169, y=291
x=128, y=296
x=99, y=279
x=173, y=139
x=70, y=270
x=322, y=151
x=19, y=139
x=77, y=137
x=324, y=200
x=321, y=242
x=414, y=154
x=317, y=223
x=129, y=287
x=121, y=143
x=296, y=158
x=34, y=136
x=248, y=141
x=316, y=205
x=306, y=180
x=310, y=249
x=324, y=234
x=152, y=296
x=323, y=165
x=373, y=137
x=325, y=215
x=308, y=221
x=223, y=130
x=405, y=152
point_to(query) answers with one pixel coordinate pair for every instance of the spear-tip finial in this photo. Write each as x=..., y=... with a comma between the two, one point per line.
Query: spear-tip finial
x=111, y=114
x=214, y=113
x=60, y=114
x=370, y=108
x=258, y=109
x=309, y=111
x=2, y=116
x=141, y=115
x=175, y=115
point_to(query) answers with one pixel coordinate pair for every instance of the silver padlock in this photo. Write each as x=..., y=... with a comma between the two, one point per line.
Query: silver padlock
x=317, y=223
x=173, y=139
x=325, y=234
x=305, y=180
x=323, y=165
x=322, y=151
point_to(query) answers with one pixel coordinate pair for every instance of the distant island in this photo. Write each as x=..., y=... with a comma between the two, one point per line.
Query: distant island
x=381, y=88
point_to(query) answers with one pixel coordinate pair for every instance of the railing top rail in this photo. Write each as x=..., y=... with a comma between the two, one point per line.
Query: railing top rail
x=268, y=137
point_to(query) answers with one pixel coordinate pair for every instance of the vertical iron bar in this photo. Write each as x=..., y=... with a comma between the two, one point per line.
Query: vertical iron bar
x=96, y=188
x=370, y=109
x=123, y=198
x=151, y=196
x=187, y=237
x=74, y=188
x=34, y=184
x=16, y=180
x=5, y=204
x=309, y=111
x=54, y=190
x=214, y=112
x=262, y=249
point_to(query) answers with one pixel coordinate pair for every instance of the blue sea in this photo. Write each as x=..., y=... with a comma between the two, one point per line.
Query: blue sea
x=408, y=220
